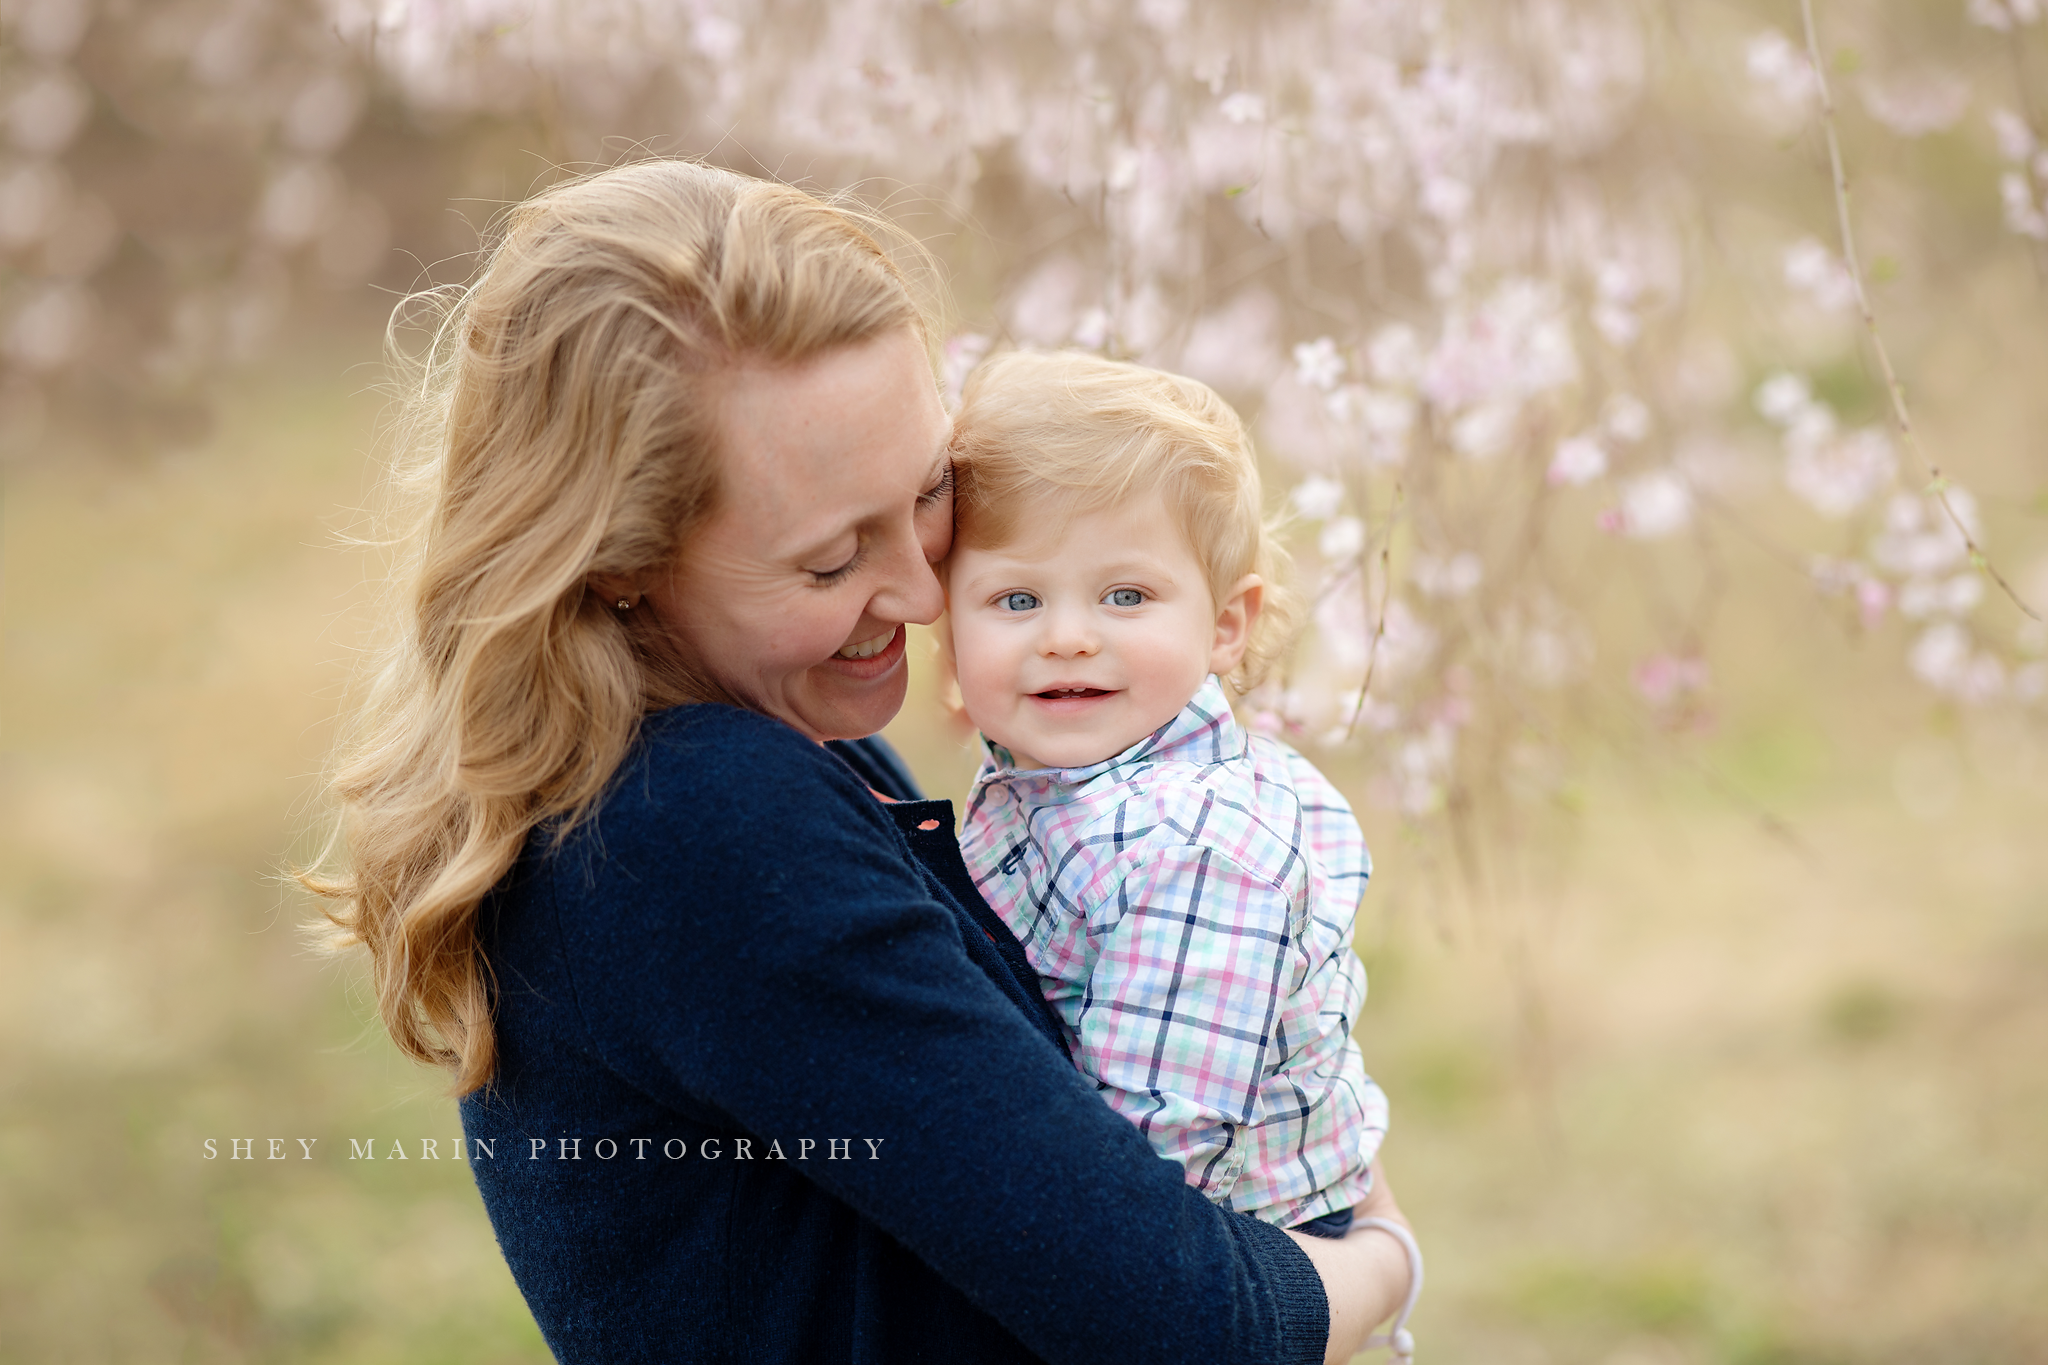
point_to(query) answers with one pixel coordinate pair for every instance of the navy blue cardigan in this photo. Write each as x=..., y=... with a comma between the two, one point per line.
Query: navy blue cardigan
x=775, y=1085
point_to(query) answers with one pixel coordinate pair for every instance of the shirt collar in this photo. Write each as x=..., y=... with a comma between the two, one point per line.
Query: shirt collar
x=1202, y=732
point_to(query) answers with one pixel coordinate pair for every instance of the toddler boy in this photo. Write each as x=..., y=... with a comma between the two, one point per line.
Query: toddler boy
x=1185, y=889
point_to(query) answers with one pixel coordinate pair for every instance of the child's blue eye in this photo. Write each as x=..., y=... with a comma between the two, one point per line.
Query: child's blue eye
x=1126, y=597
x=1019, y=601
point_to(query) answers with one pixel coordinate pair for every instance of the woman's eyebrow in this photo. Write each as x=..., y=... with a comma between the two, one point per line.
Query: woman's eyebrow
x=824, y=543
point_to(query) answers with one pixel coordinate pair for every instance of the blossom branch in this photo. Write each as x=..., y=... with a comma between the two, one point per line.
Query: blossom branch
x=1938, y=482
x=1379, y=627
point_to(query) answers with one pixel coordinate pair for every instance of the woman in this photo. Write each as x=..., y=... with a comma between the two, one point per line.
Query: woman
x=749, y=1071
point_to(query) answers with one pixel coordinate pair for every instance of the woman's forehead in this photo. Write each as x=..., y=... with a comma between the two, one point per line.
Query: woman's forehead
x=832, y=442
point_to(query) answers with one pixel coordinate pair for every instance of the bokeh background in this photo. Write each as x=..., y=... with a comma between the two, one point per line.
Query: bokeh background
x=1701, y=752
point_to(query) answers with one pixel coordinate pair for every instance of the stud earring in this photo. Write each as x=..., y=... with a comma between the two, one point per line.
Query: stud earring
x=624, y=605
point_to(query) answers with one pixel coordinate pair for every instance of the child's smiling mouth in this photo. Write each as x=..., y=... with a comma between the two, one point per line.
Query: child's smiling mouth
x=1070, y=693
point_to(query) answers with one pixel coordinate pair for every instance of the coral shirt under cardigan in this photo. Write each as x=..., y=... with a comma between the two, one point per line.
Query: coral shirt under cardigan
x=775, y=1085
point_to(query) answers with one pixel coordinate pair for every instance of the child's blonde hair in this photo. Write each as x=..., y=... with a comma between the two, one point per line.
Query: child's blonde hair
x=1042, y=437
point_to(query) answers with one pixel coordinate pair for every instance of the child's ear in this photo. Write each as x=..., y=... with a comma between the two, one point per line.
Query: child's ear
x=1235, y=616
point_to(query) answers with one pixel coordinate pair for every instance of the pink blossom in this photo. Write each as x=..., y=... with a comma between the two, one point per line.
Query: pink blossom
x=1625, y=417
x=34, y=197
x=1579, y=459
x=1317, y=364
x=2015, y=138
x=51, y=329
x=50, y=30
x=1453, y=577
x=1243, y=107
x=1616, y=323
x=1485, y=431
x=1836, y=477
x=47, y=112
x=1915, y=103
x=1783, y=396
x=1513, y=347
x=1992, y=14
x=1918, y=538
x=1664, y=678
x=1957, y=596
x=1317, y=498
x=1655, y=505
x=1941, y=656
x=1092, y=331
x=1234, y=347
x=1819, y=274
x=1781, y=68
x=1341, y=539
x=322, y=114
x=2022, y=214
x=1394, y=355
x=1043, y=308
x=1872, y=598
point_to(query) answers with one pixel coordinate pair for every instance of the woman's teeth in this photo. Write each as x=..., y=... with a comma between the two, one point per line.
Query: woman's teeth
x=866, y=649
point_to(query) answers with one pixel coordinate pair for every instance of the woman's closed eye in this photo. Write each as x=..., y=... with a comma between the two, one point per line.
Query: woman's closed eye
x=939, y=491
x=1125, y=597
x=1017, y=601
x=824, y=577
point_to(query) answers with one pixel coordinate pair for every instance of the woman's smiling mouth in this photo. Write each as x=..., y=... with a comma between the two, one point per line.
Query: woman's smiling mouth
x=868, y=649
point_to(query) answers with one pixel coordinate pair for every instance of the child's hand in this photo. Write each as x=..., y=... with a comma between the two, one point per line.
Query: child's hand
x=1365, y=1274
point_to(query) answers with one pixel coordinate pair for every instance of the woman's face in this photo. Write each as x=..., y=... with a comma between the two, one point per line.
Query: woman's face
x=835, y=501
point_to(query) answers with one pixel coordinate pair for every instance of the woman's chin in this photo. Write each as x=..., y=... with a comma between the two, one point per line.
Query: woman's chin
x=853, y=698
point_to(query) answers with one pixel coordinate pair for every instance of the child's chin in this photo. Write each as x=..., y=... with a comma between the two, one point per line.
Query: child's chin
x=1079, y=753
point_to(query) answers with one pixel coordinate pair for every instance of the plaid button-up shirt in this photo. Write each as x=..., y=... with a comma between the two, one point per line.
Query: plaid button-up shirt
x=1188, y=905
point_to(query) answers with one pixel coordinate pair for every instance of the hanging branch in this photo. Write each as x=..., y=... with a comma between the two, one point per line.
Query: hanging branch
x=1372, y=656
x=1938, y=482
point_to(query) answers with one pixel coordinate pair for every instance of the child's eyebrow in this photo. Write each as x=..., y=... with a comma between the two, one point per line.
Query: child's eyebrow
x=1136, y=566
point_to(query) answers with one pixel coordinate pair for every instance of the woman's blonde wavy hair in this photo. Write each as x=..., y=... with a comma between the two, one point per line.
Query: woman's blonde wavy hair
x=562, y=424
x=1043, y=436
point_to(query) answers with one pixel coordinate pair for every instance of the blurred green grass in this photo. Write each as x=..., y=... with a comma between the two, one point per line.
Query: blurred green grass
x=1669, y=1087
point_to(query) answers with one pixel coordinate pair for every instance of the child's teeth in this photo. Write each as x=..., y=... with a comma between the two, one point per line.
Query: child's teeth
x=867, y=649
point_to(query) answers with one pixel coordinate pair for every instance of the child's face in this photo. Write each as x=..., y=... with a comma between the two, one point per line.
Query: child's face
x=1072, y=646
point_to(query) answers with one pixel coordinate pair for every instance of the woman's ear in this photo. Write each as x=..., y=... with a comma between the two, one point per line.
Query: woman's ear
x=1235, y=616
x=612, y=589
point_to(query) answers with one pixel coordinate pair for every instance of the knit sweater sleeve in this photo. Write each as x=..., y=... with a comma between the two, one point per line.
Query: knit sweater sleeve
x=744, y=929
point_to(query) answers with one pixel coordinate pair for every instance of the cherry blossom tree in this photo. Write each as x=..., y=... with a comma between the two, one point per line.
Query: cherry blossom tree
x=1460, y=262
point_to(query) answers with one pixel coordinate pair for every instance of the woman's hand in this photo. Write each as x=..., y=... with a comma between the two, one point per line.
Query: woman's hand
x=1365, y=1275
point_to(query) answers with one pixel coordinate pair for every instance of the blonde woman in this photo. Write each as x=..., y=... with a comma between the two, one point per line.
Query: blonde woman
x=748, y=1070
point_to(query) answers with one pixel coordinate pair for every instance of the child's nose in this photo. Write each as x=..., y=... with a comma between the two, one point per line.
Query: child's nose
x=1068, y=634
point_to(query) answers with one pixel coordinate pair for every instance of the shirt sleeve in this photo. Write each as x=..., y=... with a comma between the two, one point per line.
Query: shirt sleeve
x=1179, y=1019
x=773, y=952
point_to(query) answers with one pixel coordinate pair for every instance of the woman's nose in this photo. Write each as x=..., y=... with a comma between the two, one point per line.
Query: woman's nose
x=910, y=590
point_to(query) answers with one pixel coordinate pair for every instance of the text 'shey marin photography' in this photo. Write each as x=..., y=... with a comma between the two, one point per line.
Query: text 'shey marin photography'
x=546, y=1149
